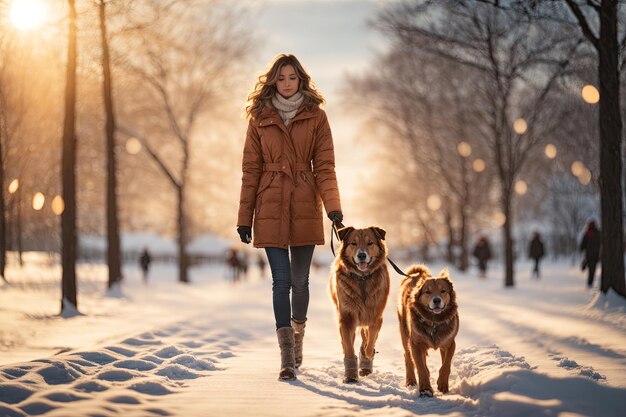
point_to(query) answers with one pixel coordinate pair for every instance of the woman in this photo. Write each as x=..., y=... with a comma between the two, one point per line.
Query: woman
x=288, y=171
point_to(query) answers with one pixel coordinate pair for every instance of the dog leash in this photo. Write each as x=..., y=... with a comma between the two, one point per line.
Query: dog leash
x=334, y=232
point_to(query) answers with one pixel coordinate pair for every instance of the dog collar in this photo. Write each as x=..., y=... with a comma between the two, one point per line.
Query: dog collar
x=361, y=277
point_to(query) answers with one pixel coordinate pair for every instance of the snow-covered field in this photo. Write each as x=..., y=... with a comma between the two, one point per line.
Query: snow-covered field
x=549, y=347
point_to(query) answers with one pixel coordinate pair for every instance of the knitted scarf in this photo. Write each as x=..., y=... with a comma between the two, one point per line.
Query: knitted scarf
x=287, y=107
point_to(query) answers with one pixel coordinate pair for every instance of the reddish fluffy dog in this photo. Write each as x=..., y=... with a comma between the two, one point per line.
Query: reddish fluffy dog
x=428, y=316
x=359, y=287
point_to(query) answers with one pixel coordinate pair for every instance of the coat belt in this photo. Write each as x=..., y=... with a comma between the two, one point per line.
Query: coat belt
x=300, y=166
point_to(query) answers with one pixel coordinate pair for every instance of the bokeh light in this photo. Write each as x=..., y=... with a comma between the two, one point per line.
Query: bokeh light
x=38, y=201
x=499, y=219
x=578, y=168
x=133, y=146
x=433, y=202
x=521, y=187
x=478, y=165
x=58, y=205
x=14, y=186
x=464, y=149
x=591, y=94
x=550, y=151
x=520, y=126
x=585, y=177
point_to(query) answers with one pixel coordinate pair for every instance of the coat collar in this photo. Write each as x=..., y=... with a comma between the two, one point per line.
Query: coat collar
x=269, y=116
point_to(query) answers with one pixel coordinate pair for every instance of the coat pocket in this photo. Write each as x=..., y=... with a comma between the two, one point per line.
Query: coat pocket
x=307, y=197
x=265, y=184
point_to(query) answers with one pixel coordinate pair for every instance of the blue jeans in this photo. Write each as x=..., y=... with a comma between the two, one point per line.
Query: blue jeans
x=287, y=276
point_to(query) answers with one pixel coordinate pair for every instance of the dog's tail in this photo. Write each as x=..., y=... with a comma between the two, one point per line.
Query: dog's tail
x=421, y=271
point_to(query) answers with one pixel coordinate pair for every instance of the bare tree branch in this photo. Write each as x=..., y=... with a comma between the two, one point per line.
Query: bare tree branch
x=584, y=25
x=155, y=157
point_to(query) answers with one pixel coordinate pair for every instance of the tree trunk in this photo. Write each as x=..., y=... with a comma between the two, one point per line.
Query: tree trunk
x=68, y=217
x=3, y=224
x=451, y=239
x=465, y=194
x=508, y=238
x=610, y=152
x=113, y=234
x=18, y=226
x=182, y=237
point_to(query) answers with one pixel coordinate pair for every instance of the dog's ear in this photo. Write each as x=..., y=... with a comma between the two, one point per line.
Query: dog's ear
x=444, y=273
x=380, y=233
x=344, y=232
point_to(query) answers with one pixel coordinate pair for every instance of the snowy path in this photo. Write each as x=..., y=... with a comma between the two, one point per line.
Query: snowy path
x=210, y=350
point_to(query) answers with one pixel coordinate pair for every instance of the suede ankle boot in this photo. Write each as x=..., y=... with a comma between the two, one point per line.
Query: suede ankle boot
x=287, y=362
x=298, y=329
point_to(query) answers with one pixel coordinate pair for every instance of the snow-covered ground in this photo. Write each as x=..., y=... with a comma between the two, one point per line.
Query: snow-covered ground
x=549, y=347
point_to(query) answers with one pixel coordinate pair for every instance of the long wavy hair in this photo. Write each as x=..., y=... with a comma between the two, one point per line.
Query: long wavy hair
x=265, y=87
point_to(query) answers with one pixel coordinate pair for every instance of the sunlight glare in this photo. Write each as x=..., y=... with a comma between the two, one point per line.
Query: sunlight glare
x=27, y=14
x=38, y=201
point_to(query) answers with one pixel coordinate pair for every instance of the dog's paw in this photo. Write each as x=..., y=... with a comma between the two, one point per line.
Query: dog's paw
x=443, y=386
x=409, y=383
x=426, y=393
x=350, y=380
x=365, y=372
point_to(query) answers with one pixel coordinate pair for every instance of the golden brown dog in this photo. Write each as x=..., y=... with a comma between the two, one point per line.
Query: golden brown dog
x=359, y=287
x=428, y=316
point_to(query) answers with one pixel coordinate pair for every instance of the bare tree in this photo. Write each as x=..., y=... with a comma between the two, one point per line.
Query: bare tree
x=113, y=251
x=605, y=41
x=185, y=68
x=421, y=100
x=68, y=218
x=512, y=56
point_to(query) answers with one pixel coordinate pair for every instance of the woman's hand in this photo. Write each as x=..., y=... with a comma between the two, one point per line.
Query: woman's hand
x=245, y=233
x=336, y=217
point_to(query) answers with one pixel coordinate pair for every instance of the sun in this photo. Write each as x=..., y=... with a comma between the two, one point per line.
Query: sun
x=28, y=14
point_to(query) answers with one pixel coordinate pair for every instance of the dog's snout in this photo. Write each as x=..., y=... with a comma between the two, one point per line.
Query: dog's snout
x=436, y=300
x=362, y=256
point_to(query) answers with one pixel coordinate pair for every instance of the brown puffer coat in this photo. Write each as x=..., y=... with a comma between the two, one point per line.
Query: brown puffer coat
x=287, y=173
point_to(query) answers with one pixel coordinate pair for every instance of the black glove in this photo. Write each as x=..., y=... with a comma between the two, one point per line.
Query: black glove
x=336, y=217
x=245, y=233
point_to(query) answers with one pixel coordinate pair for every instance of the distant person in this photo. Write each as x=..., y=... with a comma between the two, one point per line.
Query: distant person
x=482, y=252
x=144, y=261
x=590, y=245
x=261, y=264
x=234, y=263
x=243, y=263
x=536, y=252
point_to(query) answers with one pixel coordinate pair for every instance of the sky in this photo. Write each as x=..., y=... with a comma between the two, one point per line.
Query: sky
x=330, y=38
